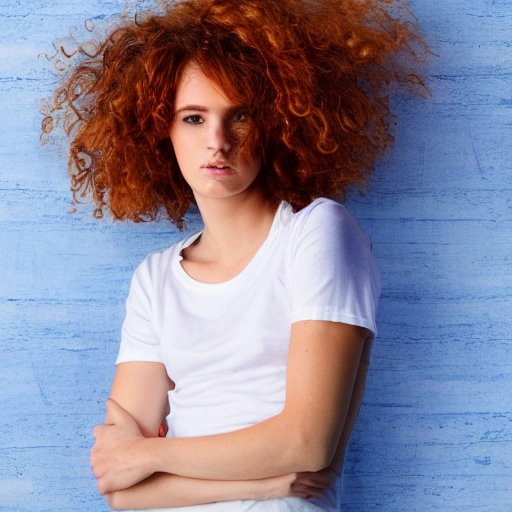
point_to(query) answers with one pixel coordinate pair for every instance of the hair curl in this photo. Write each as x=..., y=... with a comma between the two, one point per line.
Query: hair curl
x=315, y=76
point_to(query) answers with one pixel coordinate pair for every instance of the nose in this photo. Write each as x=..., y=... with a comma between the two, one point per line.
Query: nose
x=218, y=138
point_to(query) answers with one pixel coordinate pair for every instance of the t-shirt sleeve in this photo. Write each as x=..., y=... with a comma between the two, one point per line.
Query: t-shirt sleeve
x=139, y=339
x=335, y=277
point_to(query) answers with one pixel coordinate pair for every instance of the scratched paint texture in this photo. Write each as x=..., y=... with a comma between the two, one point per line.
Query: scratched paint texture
x=435, y=431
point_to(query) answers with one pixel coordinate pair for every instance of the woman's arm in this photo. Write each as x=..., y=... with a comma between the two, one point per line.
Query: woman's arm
x=140, y=390
x=323, y=362
x=162, y=490
x=353, y=410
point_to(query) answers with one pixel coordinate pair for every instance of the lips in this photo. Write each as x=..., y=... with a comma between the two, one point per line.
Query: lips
x=218, y=168
x=218, y=164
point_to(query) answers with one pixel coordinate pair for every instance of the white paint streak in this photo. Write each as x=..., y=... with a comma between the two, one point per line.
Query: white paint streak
x=11, y=51
x=13, y=491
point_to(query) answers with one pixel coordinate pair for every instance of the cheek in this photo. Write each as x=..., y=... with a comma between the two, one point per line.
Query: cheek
x=182, y=150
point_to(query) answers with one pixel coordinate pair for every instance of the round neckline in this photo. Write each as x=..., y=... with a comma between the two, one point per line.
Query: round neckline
x=185, y=277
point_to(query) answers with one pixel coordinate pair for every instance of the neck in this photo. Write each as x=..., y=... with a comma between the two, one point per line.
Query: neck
x=234, y=226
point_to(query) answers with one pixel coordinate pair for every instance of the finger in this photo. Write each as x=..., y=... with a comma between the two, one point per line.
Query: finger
x=96, y=459
x=321, y=486
x=95, y=468
x=315, y=480
x=95, y=471
x=298, y=493
x=318, y=480
x=109, y=498
x=162, y=430
x=107, y=483
x=102, y=486
x=305, y=492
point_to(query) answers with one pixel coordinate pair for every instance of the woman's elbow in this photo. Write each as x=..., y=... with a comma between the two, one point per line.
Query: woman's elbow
x=313, y=453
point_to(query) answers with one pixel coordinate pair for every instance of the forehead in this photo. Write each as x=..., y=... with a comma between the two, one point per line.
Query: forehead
x=195, y=88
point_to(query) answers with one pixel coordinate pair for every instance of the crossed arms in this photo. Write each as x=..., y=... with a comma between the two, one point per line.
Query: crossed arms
x=284, y=455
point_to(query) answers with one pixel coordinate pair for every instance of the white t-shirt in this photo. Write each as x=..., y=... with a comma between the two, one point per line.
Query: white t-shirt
x=225, y=346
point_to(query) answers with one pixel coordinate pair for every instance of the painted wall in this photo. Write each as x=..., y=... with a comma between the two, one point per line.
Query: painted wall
x=435, y=432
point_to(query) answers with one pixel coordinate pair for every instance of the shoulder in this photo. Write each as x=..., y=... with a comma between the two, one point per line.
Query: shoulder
x=335, y=277
x=331, y=219
x=326, y=210
x=157, y=263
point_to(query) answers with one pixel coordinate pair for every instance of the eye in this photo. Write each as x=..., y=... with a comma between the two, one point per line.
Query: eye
x=196, y=119
x=240, y=117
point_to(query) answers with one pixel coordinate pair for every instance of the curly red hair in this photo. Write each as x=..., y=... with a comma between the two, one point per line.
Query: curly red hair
x=315, y=76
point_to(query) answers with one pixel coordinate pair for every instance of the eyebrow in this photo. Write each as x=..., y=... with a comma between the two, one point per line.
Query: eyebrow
x=200, y=108
x=192, y=107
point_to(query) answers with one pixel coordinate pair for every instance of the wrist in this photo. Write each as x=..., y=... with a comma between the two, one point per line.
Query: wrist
x=146, y=454
x=152, y=454
x=274, y=487
x=259, y=490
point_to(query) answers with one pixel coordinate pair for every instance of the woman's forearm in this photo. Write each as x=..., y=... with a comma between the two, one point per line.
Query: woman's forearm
x=163, y=490
x=269, y=449
x=122, y=457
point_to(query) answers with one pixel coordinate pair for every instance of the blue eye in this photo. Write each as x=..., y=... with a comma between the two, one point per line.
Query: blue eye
x=193, y=119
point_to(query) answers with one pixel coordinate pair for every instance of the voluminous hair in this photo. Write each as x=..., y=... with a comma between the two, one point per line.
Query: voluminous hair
x=314, y=76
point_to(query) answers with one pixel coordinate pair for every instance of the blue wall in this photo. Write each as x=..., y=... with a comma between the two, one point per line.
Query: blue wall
x=435, y=432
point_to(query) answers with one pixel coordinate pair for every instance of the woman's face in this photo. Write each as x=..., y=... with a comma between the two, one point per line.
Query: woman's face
x=205, y=134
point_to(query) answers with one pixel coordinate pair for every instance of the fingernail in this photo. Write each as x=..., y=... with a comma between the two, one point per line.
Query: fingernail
x=162, y=431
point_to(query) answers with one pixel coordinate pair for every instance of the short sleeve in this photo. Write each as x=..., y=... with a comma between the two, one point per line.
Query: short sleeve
x=334, y=275
x=139, y=340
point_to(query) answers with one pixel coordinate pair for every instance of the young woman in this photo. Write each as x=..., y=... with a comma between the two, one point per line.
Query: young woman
x=250, y=340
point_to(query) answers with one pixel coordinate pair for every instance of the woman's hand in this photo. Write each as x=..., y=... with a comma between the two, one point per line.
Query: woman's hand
x=312, y=485
x=117, y=457
x=298, y=485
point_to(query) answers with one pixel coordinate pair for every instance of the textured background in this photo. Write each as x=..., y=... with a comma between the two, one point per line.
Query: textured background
x=435, y=432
